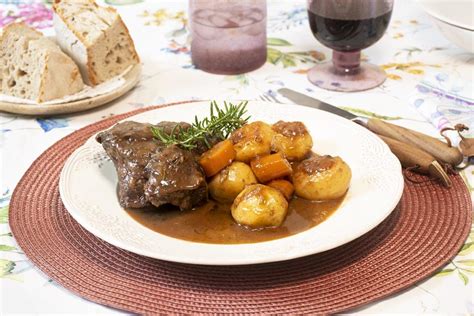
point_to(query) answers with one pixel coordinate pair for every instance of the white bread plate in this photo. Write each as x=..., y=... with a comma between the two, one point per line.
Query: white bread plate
x=454, y=19
x=131, y=78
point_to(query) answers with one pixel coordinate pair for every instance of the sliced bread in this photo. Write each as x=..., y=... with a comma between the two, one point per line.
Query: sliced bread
x=34, y=67
x=95, y=37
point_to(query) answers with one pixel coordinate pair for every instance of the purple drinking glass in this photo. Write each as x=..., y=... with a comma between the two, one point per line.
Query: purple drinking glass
x=347, y=27
x=228, y=36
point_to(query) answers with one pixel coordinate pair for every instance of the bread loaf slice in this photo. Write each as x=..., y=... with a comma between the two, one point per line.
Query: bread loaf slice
x=34, y=67
x=95, y=37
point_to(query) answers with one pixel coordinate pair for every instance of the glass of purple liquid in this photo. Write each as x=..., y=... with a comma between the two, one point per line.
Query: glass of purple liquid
x=228, y=36
x=347, y=27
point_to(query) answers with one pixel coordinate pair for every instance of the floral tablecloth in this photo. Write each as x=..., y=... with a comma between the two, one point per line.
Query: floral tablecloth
x=424, y=72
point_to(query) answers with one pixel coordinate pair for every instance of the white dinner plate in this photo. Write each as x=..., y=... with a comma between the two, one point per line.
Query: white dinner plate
x=88, y=190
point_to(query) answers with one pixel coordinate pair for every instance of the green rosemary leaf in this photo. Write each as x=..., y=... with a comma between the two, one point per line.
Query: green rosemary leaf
x=221, y=122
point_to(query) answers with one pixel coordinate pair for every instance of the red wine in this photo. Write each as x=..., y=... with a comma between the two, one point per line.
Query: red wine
x=346, y=34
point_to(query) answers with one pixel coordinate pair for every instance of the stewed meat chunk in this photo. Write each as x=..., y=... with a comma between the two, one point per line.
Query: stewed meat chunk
x=176, y=178
x=131, y=146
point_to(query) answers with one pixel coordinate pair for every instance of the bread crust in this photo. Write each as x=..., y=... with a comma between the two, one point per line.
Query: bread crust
x=12, y=26
x=35, y=67
x=90, y=68
x=59, y=77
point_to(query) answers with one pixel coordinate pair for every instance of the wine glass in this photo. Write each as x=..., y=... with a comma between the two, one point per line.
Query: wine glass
x=347, y=27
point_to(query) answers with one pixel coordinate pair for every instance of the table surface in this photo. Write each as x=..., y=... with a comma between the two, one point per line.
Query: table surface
x=411, y=49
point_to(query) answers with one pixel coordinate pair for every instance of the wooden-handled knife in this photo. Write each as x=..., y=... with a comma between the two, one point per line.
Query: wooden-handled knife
x=411, y=147
x=438, y=149
x=411, y=156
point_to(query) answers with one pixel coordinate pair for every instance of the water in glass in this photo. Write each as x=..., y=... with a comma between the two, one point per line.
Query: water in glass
x=228, y=37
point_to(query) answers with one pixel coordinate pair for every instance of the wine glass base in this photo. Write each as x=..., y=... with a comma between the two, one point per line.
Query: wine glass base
x=368, y=76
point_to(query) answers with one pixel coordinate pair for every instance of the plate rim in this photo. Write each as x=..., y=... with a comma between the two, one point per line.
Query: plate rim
x=253, y=260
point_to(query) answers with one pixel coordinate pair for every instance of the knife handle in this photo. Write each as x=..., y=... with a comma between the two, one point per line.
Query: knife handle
x=411, y=156
x=441, y=151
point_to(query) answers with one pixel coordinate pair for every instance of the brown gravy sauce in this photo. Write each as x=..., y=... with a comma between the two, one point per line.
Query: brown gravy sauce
x=213, y=223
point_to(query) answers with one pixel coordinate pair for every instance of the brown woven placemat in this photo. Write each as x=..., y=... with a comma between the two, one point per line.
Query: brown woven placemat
x=421, y=235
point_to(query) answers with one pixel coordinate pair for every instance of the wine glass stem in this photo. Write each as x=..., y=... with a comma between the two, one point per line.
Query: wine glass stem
x=346, y=63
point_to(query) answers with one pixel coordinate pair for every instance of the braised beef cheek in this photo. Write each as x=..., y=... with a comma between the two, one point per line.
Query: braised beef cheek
x=174, y=177
x=131, y=146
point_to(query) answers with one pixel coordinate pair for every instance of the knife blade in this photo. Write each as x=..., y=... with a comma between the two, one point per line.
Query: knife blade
x=438, y=149
x=303, y=99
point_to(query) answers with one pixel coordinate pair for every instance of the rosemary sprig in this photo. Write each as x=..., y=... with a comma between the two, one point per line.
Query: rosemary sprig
x=220, y=123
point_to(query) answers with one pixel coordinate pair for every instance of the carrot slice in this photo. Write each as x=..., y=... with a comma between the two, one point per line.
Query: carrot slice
x=270, y=167
x=285, y=187
x=217, y=158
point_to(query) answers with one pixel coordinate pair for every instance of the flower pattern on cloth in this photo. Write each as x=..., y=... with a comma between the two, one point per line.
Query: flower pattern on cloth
x=446, y=100
x=429, y=85
x=37, y=15
x=50, y=124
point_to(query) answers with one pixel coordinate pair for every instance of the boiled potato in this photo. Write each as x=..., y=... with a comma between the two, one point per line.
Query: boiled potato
x=230, y=181
x=321, y=178
x=259, y=206
x=252, y=140
x=292, y=139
